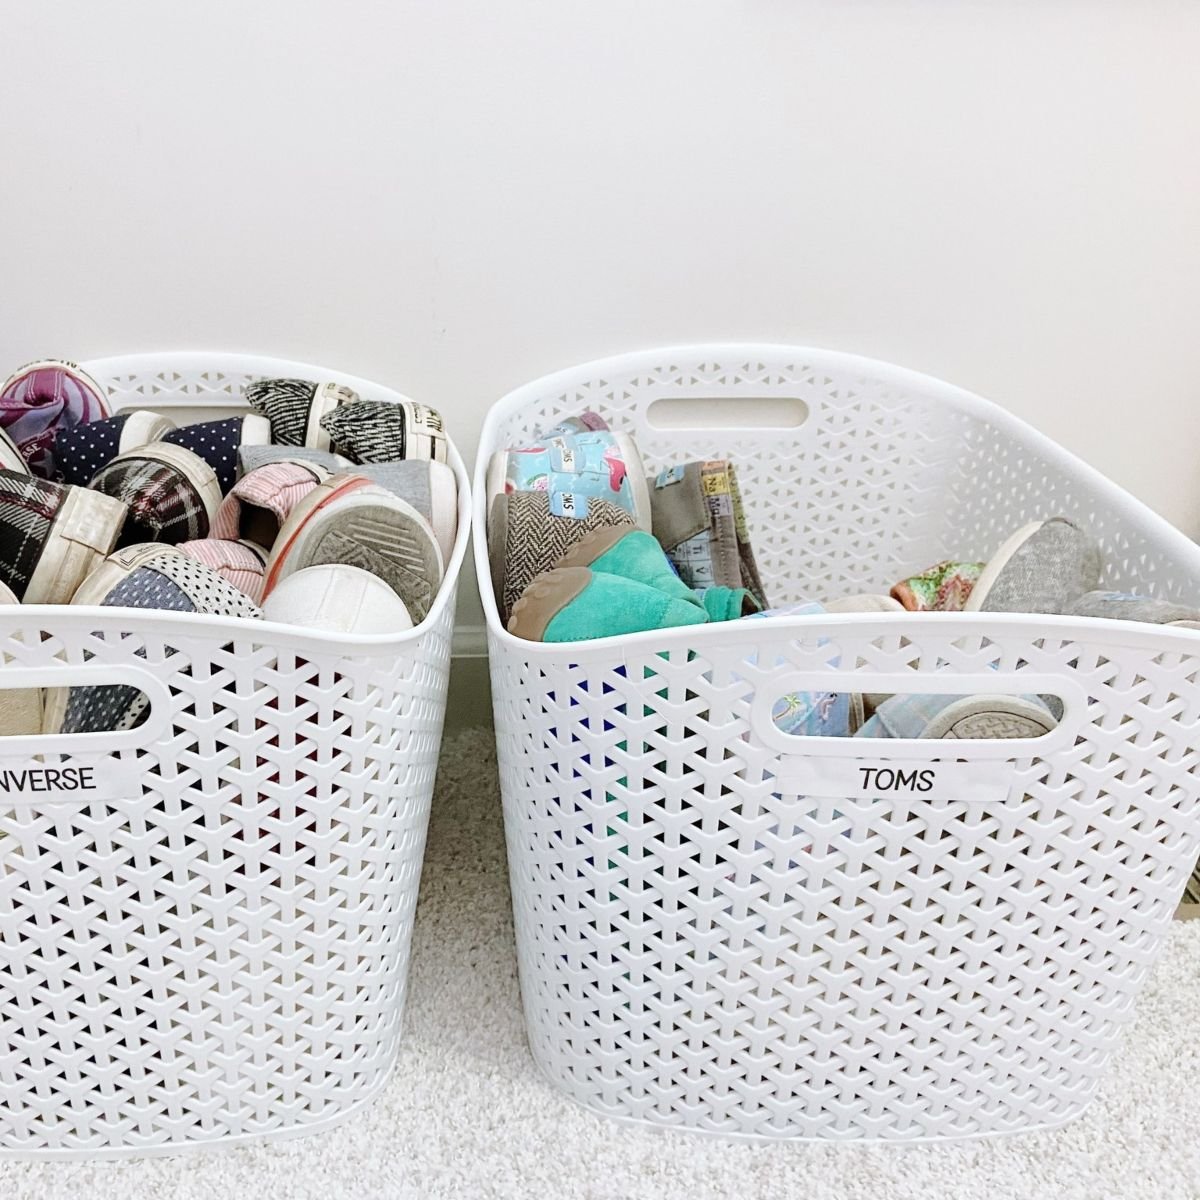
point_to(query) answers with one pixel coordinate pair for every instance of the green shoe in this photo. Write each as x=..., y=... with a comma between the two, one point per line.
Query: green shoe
x=631, y=554
x=572, y=604
x=728, y=604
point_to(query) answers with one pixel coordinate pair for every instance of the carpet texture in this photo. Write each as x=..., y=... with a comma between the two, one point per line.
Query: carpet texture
x=467, y=1113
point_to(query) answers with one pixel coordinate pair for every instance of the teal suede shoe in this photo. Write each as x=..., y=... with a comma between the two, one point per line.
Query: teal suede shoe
x=572, y=604
x=632, y=554
x=728, y=604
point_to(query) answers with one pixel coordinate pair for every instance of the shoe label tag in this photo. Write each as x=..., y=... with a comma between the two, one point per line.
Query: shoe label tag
x=985, y=782
x=568, y=504
x=669, y=476
x=73, y=781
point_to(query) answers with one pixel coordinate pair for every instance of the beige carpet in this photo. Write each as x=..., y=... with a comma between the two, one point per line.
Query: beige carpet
x=468, y=1115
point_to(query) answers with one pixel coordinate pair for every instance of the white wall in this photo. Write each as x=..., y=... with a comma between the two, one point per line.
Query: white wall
x=455, y=197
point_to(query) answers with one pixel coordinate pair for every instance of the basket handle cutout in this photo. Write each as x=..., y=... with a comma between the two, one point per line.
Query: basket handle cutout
x=995, y=715
x=726, y=412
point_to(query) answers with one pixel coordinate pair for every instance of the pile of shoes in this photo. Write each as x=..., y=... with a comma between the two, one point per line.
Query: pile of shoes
x=316, y=508
x=584, y=544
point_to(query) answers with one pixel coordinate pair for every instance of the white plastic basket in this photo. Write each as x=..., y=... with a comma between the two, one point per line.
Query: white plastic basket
x=211, y=942
x=718, y=929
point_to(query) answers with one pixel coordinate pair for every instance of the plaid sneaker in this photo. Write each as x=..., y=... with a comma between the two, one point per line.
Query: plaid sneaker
x=172, y=494
x=218, y=442
x=375, y=431
x=80, y=451
x=295, y=408
x=52, y=535
x=41, y=399
x=261, y=501
x=164, y=581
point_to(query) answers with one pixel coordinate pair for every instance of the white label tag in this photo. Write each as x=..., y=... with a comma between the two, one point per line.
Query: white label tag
x=73, y=781
x=987, y=782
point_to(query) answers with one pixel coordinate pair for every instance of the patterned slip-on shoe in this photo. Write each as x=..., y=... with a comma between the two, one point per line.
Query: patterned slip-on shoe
x=944, y=587
x=295, y=408
x=20, y=708
x=218, y=442
x=586, y=422
x=1043, y=568
x=41, y=399
x=430, y=487
x=242, y=563
x=164, y=582
x=375, y=431
x=526, y=538
x=596, y=464
x=259, y=503
x=336, y=598
x=80, y=451
x=698, y=517
x=172, y=493
x=52, y=535
x=250, y=458
x=349, y=519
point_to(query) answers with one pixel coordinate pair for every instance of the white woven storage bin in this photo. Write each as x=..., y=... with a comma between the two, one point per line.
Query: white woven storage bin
x=211, y=942
x=718, y=929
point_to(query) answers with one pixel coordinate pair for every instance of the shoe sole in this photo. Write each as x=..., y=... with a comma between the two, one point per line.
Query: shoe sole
x=82, y=535
x=990, y=718
x=389, y=537
x=544, y=599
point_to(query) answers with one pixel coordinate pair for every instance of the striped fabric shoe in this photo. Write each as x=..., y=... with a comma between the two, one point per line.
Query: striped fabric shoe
x=241, y=563
x=261, y=501
x=41, y=399
x=172, y=494
x=295, y=408
x=82, y=450
x=52, y=535
x=376, y=431
x=164, y=581
x=218, y=442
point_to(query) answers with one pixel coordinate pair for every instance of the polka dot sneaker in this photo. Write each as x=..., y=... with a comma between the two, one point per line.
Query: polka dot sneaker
x=376, y=431
x=218, y=442
x=295, y=408
x=348, y=519
x=165, y=582
x=80, y=451
x=41, y=399
x=172, y=494
x=52, y=536
x=260, y=502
